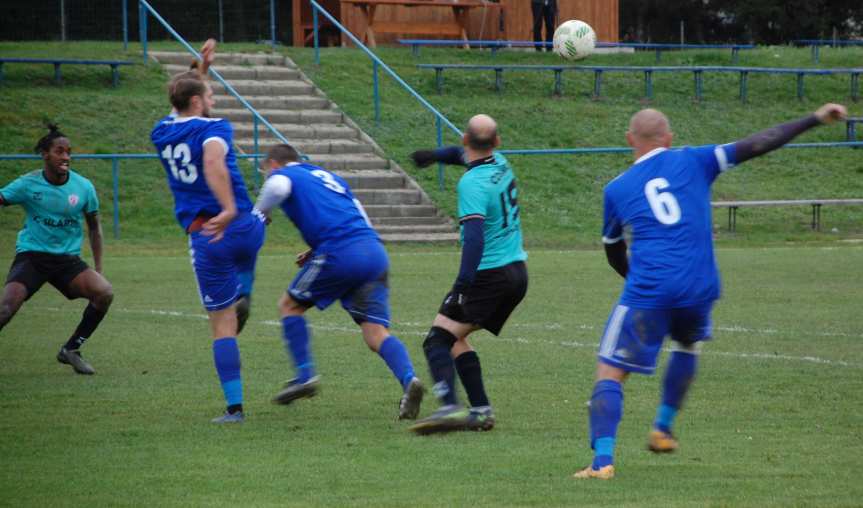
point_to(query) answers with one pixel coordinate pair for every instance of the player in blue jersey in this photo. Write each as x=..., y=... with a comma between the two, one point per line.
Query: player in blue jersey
x=212, y=206
x=346, y=261
x=672, y=280
x=492, y=278
x=49, y=247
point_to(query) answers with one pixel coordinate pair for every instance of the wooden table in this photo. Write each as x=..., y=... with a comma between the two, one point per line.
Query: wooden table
x=458, y=28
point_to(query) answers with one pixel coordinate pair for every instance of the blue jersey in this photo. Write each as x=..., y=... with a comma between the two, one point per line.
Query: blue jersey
x=664, y=200
x=180, y=142
x=320, y=204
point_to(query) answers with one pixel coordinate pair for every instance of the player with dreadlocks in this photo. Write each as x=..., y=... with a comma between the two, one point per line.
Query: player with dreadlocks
x=49, y=246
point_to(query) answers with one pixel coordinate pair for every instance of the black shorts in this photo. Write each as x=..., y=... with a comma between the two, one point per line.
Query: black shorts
x=493, y=296
x=36, y=268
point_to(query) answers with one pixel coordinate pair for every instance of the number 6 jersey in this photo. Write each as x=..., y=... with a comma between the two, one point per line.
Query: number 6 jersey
x=180, y=143
x=664, y=201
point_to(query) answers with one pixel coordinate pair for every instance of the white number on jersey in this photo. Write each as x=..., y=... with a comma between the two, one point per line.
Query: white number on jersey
x=362, y=211
x=329, y=181
x=186, y=173
x=663, y=204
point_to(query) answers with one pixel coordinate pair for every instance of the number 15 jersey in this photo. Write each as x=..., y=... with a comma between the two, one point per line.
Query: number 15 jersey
x=488, y=191
x=180, y=142
x=664, y=200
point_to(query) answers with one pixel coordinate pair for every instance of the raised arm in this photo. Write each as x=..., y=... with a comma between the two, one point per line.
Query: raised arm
x=770, y=139
x=219, y=181
x=448, y=155
x=94, y=233
x=208, y=55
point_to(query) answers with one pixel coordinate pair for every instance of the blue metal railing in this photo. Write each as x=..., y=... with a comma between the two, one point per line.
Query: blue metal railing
x=145, y=8
x=115, y=172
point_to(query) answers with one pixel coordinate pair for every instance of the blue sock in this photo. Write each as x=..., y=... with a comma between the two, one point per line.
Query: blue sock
x=296, y=337
x=226, y=356
x=678, y=377
x=606, y=410
x=394, y=353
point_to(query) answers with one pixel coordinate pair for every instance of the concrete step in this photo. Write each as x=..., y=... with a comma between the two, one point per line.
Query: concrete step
x=310, y=147
x=314, y=116
x=259, y=102
x=297, y=131
x=370, y=197
x=420, y=237
x=409, y=221
x=429, y=228
x=185, y=58
x=258, y=72
x=246, y=87
x=376, y=211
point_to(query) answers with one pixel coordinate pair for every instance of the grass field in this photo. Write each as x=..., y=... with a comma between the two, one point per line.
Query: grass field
x=774, y=419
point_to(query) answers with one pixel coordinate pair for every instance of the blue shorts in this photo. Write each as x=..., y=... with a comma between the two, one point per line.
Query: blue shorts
x=633, y=337
x=226, y=269
x=355, y=274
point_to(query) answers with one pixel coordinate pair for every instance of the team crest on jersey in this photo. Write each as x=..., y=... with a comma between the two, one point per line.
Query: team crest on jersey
x=73, y=199
x=37, y=196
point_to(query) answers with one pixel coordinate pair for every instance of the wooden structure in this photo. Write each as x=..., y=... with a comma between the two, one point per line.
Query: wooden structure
x=481, y=23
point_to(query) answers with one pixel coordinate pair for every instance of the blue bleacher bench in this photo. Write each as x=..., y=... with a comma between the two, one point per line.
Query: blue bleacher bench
x=697, y=72
x=816, y=205
x=57, y=62
x=495, y=45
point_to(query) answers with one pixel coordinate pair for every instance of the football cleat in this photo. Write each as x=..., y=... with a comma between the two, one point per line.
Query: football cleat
x=409, y=405
x=480, y=418
x=230, y=418
x=603, y=473
x=73, y=358
x=294, y=390
x=661, y=442
x=446, y=419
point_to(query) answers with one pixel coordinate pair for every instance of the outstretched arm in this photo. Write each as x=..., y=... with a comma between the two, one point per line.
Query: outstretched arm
x=768, y=140
x=448, y=155
x=94, y=233
x=208, y=55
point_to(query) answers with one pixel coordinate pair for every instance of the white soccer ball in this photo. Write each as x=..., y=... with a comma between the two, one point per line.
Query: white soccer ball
x=574, y=40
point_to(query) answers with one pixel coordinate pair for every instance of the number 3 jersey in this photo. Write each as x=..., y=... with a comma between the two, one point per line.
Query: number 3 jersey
x=180, y=143
x=488, y=191
x=664, y=202
x=319, y=203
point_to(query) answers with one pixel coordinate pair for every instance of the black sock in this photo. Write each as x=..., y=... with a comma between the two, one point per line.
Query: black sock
x=470, y=372
x=235, y=408
x=91, y=319
x=437, y=347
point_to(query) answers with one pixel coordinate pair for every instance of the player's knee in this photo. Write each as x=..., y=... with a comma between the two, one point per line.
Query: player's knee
x=692, y=348
x=438, y=337
x=374, y=335
x=105, y=297
x=13, y=297
x=243, y=308
x=290, y=307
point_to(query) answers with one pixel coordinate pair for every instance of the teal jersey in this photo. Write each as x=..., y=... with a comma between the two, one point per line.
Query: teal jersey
x=488, y=190
x=54, y=212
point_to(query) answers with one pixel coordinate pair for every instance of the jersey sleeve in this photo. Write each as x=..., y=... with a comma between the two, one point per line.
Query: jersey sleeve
x=220, y=132
x=612, y=225
x=715, y=159
x=472, y=200
x=276, y=189
x=92, y=205
x=14, y=193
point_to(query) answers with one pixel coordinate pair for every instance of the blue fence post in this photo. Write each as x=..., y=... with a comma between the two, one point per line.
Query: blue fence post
x=257, y=150
x=273, y=24
x=744, y=77
x=377, y=93
x=855, y=86
x=698, y=85
x=315, y=30
x=800, y=86
x=115, y=176
x=597, y=84
x=439, y=144
x=648, y=84
x=125, y=25
x=142, y=28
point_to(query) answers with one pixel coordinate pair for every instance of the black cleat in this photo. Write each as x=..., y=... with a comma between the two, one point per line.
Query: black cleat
x=480, y=418
x=294, y=390
x=73, y=358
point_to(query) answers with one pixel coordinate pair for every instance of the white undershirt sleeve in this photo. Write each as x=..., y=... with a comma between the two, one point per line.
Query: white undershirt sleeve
x=276, y=189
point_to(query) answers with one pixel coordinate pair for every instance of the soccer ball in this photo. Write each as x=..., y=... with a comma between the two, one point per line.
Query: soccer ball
x=574, y=40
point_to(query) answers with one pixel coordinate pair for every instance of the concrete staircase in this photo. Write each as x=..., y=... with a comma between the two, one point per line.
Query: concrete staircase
x=272, y=84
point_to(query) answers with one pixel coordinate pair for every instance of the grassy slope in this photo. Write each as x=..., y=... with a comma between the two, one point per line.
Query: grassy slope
x=560, y=195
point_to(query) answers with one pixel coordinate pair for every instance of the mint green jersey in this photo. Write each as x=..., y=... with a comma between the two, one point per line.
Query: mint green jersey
x=54, y=212
x=488, y=190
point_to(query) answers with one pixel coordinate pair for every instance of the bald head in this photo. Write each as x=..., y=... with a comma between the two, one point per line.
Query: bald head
x=648, y=129
x=481, y=132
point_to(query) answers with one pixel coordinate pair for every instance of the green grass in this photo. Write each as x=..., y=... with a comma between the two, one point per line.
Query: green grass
x=560, y=195
x=773, y=420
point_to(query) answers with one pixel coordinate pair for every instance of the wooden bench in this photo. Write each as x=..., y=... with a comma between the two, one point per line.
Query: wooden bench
x=816, y=205
x=57, y=62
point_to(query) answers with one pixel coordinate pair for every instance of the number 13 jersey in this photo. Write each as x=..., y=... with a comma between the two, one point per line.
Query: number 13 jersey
x=488, y=191
x=664, y=202
x=180, y=143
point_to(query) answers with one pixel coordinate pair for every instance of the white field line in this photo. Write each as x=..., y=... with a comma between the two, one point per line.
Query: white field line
x=421, y=332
